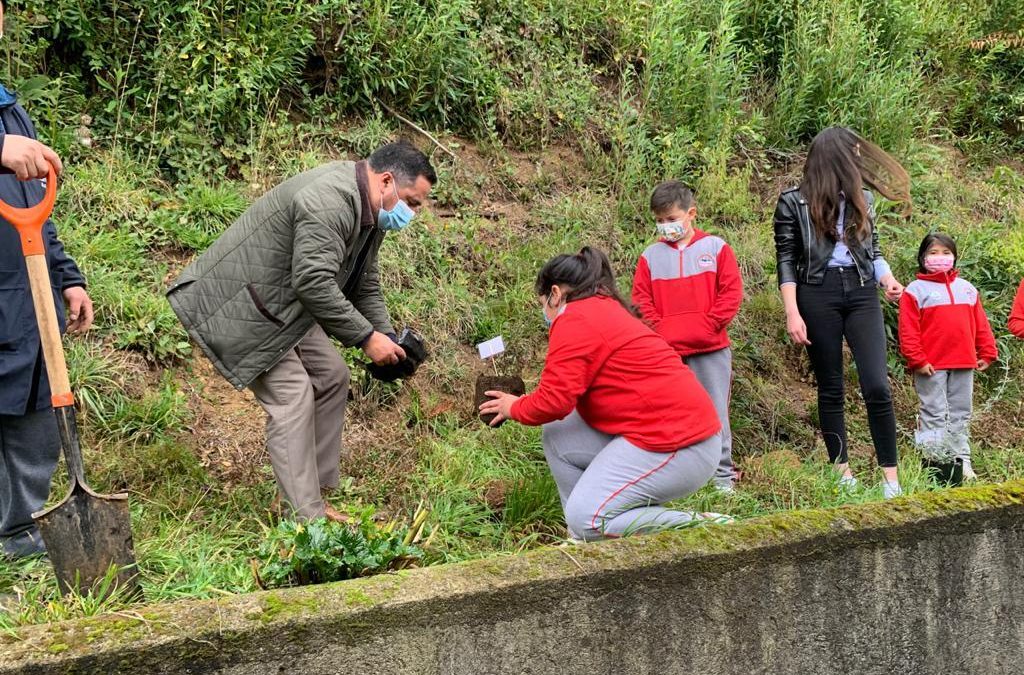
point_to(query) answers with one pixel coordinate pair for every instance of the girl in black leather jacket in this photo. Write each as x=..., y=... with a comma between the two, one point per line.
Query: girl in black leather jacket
x=829, y=267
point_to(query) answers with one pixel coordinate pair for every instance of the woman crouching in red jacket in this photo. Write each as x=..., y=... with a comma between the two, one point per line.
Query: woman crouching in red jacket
x=627, y=427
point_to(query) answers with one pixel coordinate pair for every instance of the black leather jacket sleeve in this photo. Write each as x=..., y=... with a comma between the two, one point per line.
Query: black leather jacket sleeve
x=787, y=240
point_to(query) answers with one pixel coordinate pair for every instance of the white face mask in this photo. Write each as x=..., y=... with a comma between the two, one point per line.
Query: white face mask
x=672, y=231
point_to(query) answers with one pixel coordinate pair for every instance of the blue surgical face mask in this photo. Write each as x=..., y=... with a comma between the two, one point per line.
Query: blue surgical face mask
x=548, y=321
x=397, y=217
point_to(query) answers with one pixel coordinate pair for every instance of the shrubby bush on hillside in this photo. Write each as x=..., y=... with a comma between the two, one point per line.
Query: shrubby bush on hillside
x=192, y=84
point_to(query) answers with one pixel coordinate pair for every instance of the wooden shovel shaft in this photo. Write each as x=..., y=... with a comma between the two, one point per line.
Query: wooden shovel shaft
x=56, y=364
x=49, y=331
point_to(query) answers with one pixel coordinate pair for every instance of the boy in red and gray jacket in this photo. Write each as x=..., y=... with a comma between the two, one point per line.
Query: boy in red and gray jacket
x=688, y=288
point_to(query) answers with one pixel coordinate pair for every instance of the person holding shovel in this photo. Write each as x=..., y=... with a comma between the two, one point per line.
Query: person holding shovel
x=627, y=426
x=29, y=442
x=296, y=269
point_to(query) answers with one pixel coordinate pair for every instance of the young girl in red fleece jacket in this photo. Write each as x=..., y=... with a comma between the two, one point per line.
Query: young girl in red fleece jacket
x=945, y=336
x=1017, y=313
x=627, y=427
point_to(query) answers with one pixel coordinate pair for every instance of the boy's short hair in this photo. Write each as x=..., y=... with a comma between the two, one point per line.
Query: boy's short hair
x=671, y=193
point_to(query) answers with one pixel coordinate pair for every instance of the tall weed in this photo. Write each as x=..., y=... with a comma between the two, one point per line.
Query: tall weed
x=833, y=71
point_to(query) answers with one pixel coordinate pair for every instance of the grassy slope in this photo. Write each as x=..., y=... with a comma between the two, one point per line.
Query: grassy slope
x=160, y=423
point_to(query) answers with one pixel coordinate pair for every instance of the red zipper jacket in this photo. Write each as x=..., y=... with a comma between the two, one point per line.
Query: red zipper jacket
x=621, y=378
x=1017, y=313
x=690, y=293
x=943, y=323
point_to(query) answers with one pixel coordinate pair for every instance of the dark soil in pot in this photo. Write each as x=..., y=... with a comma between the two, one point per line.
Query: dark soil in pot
x=509, y=385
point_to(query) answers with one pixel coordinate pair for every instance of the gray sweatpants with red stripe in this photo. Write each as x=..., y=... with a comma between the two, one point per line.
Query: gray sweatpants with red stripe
x=610, y=487
x=714, y=372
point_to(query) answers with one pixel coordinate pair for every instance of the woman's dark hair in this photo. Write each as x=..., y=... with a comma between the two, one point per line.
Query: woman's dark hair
x=841, y=162
x=586, y=273
x=940, y=238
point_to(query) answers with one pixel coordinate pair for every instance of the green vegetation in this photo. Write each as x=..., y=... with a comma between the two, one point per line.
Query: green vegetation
x=296, y=554
x=563, y=115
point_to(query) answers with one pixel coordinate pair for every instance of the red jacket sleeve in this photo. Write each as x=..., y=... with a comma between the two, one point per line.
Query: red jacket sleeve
x=985, y=342
x=1017, y=313
x=643, y=293
x=910, y=333
x=729, y=290
x=575, y=353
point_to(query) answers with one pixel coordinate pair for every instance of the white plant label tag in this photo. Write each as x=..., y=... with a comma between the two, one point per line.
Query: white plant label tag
x=491, y=348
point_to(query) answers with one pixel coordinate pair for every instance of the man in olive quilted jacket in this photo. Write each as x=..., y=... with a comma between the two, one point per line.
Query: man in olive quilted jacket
x=298, y=267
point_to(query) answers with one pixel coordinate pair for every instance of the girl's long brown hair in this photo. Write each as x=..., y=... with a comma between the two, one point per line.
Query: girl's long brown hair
x=841, y=162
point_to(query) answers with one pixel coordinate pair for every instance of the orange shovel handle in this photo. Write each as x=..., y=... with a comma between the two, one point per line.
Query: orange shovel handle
x=29, y=224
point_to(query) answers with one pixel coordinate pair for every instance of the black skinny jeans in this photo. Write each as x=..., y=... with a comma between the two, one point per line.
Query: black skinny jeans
x=842, y=307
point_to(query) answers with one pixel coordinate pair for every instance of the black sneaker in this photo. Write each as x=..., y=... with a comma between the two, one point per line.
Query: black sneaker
x=24, y=545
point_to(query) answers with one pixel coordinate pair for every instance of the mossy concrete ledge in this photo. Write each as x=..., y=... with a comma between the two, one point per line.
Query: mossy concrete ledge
x=925, y=584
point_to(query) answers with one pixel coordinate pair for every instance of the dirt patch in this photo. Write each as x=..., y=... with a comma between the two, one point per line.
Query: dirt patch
x=1004, y=421
x=760, y=470
x=495, y=493
x=228, y=431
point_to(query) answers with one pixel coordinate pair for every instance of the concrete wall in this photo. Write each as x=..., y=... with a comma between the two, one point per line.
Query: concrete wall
x=925, y=584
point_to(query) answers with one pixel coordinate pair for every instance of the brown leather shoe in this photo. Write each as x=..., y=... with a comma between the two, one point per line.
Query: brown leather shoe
x=334, y=514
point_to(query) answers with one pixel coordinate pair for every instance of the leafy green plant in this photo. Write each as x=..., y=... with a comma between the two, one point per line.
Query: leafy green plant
x=145, y=322
x=319, y=551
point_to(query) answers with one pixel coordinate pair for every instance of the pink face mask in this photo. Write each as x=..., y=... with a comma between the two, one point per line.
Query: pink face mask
x=939, y=263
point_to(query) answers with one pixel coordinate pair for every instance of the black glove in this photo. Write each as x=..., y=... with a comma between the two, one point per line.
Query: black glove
x=415, y=353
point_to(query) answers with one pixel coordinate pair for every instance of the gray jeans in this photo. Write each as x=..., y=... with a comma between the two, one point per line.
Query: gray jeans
x=610, y=487
x=29, y=450
x=305, y=396
x=714, y=372
x=945, y=416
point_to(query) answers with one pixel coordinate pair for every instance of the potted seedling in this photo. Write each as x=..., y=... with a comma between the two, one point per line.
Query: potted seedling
x=940, y=462
x=510, y=384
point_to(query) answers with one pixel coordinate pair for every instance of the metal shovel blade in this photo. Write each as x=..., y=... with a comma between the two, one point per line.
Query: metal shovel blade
x=85, y=534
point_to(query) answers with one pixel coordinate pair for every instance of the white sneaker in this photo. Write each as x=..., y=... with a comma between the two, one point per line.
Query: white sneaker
x=715, y=518
x=725, y=488
x=847, y=483
x=890, y=490
x=705, y=518
x=969, y=471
